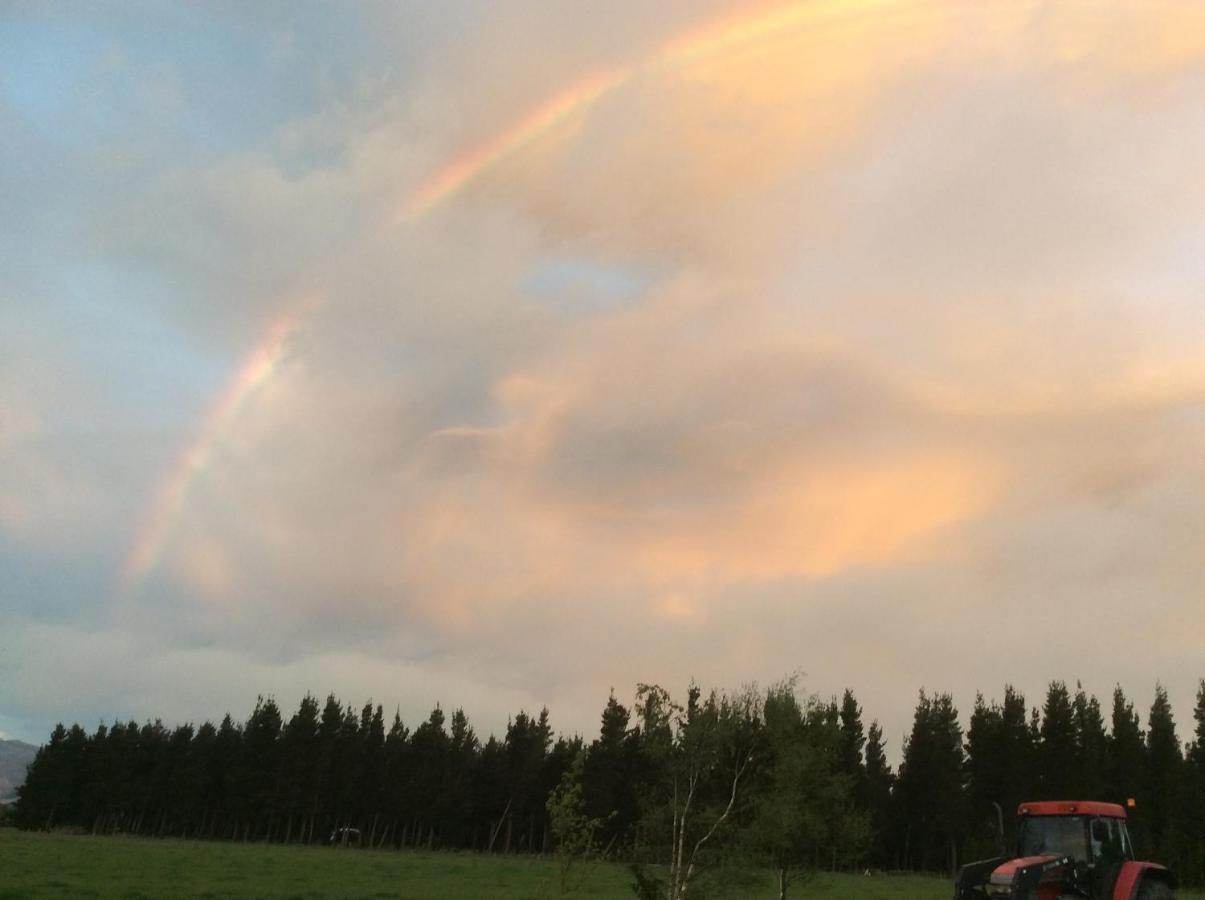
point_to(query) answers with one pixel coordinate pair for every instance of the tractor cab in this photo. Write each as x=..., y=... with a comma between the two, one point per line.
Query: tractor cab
x=1067, y=849
x=1090, y=834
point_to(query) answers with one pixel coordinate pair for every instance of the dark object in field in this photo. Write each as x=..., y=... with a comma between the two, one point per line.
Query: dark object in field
x=1068, y=849
x=345, y=837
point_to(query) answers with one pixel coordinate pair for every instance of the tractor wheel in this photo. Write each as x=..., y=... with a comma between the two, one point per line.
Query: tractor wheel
x=1155, y=890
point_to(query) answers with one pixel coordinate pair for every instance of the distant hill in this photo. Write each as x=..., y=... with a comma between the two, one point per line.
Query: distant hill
x=15, y=756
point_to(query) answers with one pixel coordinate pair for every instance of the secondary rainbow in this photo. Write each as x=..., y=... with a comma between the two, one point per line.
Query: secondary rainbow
x=711, y=39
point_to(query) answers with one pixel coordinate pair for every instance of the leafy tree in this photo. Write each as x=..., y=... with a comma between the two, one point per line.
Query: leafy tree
x=573, y=830
x=802, y=798
x=705, y=749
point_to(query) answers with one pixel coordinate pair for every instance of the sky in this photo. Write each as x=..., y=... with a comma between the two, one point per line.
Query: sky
x=503, y=354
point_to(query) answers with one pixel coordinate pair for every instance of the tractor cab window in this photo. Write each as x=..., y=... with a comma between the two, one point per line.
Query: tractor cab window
x=1110, y=842
x=1055, y=836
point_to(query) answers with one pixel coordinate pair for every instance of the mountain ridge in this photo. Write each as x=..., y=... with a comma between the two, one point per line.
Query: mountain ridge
x=15, y=757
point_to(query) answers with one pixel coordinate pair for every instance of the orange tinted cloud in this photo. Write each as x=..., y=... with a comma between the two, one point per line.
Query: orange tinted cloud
x=818, y=521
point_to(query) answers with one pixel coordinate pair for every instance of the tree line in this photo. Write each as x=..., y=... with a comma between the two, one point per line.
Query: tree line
x=677, y=788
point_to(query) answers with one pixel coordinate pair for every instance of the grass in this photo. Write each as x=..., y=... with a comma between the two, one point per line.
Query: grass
x=72, y=866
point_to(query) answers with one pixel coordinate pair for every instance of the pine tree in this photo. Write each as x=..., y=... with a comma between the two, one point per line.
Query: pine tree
x=987, y=774
x=205, y=780
x=261, y=742
x=610, y=776
x=879, y=782
x=1165, y=774
x=325, y=794
x=300, y=769
x=853, y=739
x=47, y=784
x=1057, y=748
x=456, y=803
x=930, y=791
x=429, y=757
x=1198, y=714
x=1127, y=763
x=1194, y=797
x=371, y=800
x=1091, y=747
x=397, y=763
x=229, y=761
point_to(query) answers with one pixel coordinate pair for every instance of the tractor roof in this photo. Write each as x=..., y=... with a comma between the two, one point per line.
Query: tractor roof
x=1072, y=808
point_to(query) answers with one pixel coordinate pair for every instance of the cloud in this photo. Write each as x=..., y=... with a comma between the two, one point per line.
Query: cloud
x=875, y=354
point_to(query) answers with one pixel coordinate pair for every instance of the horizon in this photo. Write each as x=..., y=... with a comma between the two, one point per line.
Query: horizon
x=499, y=356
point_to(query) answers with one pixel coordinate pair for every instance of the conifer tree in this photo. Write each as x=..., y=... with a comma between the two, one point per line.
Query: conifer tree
x=930, y=791
x=1165, y=760
x=1127, y=762
x=397, y=762
x=299, y=769
x=1091, y=747
x=878, y=787
x=325, y=790
x=1057, y=749
x=456, y=806
x=372, y=806
x=261, y=737
x=987, y=773
x=610, y=777
x=205, y=780
x=1194, y=797
x=229, y=762
x=853, y=739
x=1198, y=748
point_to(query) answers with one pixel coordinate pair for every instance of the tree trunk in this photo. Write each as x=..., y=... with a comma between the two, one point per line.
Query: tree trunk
x=497, y=828
x=782, y=883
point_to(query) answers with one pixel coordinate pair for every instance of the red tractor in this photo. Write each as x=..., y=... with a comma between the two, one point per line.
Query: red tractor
x=1068, y=849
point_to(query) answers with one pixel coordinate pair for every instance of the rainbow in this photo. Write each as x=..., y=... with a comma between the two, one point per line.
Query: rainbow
x=716, y=37
x=709, y=40
x=458, y=173
x=157, y=526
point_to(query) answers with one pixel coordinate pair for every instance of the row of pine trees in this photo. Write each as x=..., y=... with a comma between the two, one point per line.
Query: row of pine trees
x=332, y=766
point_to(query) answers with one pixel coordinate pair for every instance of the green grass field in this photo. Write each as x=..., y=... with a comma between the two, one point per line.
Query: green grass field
x=67, y=866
